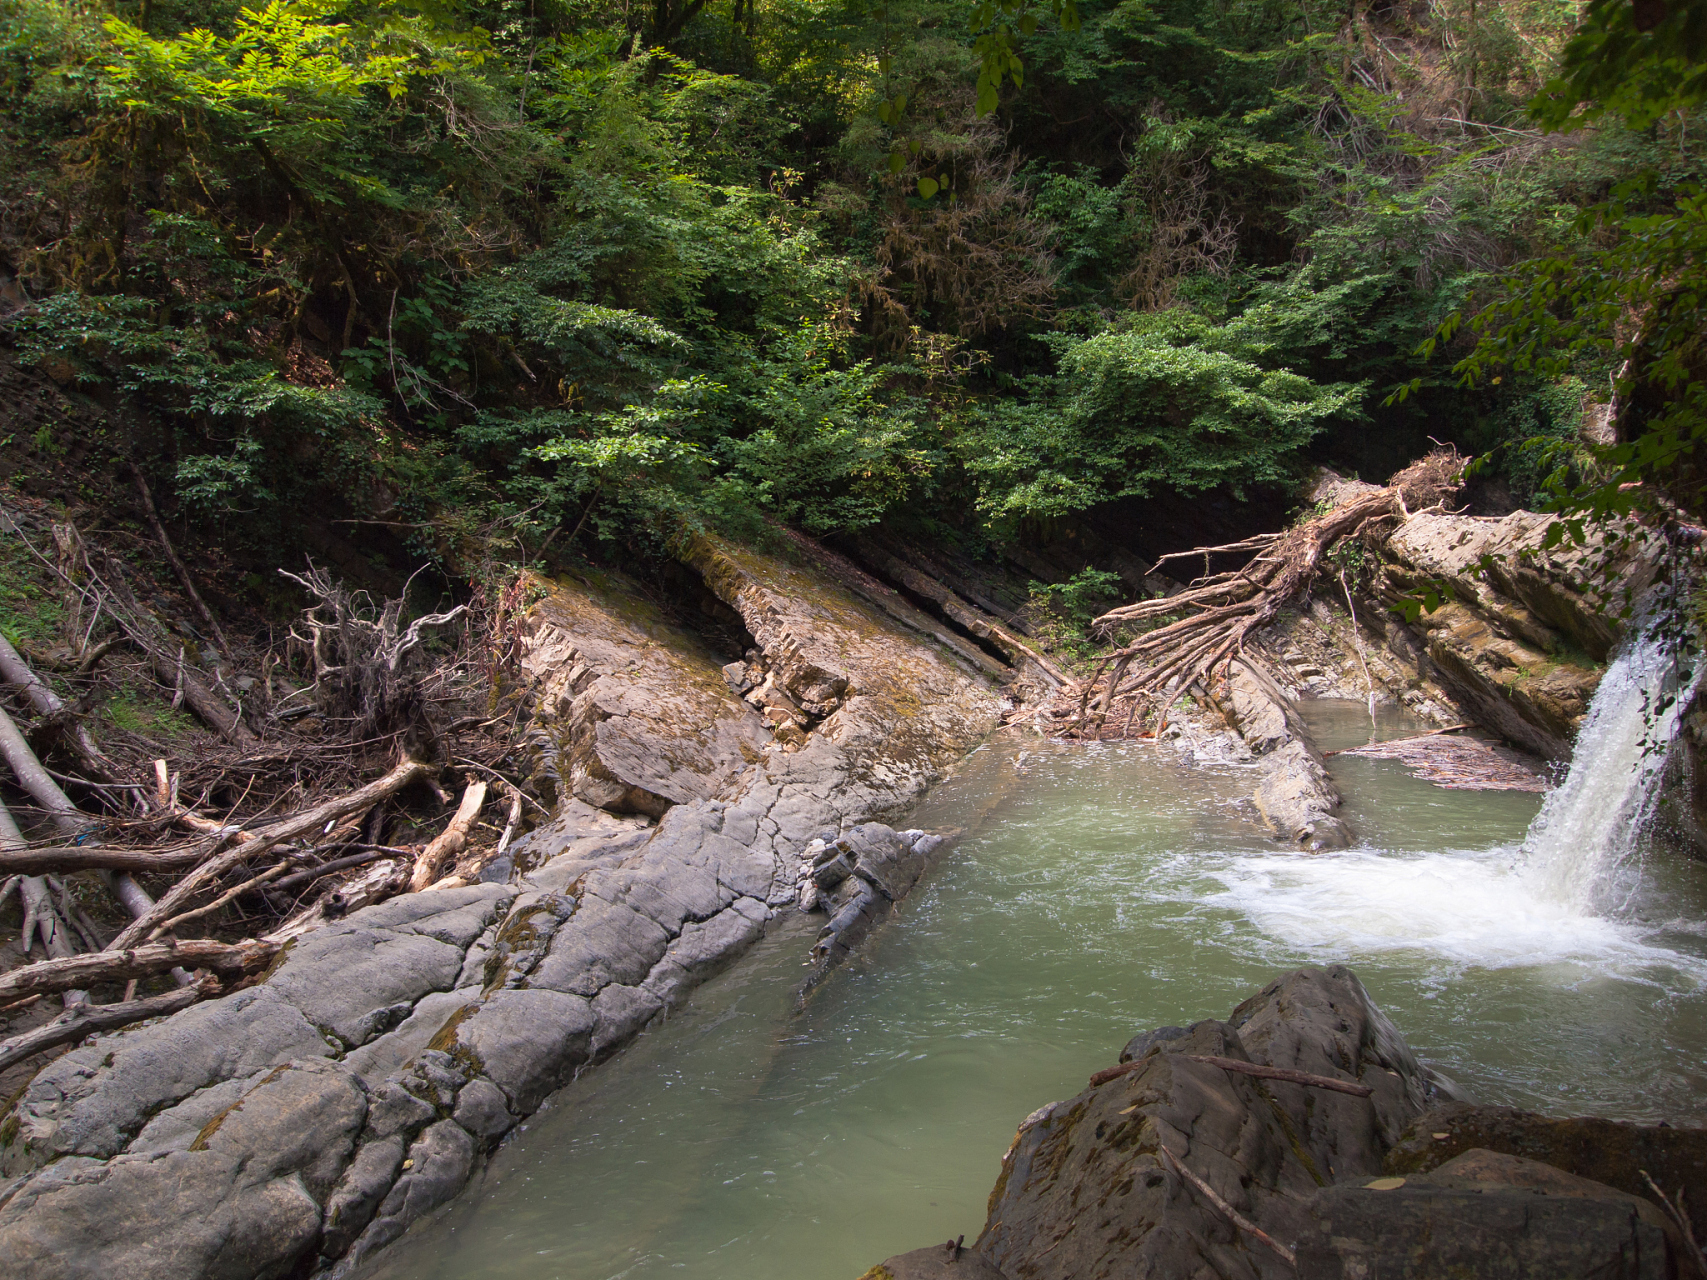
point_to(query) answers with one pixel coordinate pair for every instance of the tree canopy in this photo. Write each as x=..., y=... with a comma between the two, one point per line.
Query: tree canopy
x=490, y=270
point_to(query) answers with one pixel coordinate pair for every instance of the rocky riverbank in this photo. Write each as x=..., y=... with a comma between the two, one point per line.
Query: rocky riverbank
x=1301, y=1138
x=306, y=1121
x=701, y=781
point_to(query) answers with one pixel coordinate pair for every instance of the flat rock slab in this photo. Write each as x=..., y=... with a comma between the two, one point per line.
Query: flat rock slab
x=1611, y=1152
x=302, y=1124
x=1488, y=1214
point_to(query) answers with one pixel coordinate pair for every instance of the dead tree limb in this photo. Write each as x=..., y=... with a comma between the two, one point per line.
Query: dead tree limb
x=149, y=635
x=189, y=583
x=1174, y=1165
x=292, y=828
x=1243, y=1068
x=69, y=858
x=365, y=854
x=140, y=962
x=373, y=885
x=67, y=818
x=41, y=917
x=449, y=842
x=87, y=1019
x=359, y=653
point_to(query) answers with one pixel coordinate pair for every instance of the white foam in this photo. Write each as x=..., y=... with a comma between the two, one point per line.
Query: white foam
x=1557, y=901
x=1465, y=909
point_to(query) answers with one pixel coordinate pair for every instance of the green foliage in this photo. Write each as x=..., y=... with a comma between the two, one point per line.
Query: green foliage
x=1166, y=400
x=589, y=273
x=1632, y=61
x=30, y=613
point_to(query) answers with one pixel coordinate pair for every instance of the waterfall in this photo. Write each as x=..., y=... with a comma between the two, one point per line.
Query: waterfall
x=1579, y=848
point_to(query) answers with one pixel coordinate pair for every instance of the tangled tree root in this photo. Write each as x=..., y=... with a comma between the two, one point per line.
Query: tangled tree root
x=1224, y=609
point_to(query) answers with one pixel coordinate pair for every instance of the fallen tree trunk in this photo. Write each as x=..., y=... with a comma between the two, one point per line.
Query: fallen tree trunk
x=430, y=863
x=87, y=1019
x=41, y=916
x=301, y=824
x=188, y=583
x=71, y=823
x=210, y=709
x=140, y=962
x=16, y=671
x=968, y=615
x=374, y=885
x=67, y=818
x=1225, y=608
x=166, y=657
x=368, y=853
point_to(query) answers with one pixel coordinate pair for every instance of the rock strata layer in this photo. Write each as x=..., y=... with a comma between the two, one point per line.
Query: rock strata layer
x=307, y=1121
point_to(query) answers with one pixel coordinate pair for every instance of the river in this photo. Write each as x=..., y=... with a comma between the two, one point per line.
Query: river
x=1096, y=891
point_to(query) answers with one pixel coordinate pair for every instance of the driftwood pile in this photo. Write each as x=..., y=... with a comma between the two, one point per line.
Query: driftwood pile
x=297, y=835
x=1453, y=763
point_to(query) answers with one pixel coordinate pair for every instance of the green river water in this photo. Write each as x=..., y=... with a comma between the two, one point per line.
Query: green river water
x=1097, y=891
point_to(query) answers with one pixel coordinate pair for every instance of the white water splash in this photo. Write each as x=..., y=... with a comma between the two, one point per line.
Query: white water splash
x=1555, y=902
x=1580, y=847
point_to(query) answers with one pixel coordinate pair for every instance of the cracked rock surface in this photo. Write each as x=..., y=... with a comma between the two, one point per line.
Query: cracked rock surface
x=305, y=1122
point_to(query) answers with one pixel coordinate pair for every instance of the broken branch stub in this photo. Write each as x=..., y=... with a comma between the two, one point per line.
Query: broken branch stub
x=450, y=841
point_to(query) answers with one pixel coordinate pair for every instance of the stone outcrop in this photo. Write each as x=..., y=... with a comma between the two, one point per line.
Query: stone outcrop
x=1296, y=797
x=1521, y=644
x=1518, y=644
x=638, y=709
x=1397, y=1182
x=309, y=1119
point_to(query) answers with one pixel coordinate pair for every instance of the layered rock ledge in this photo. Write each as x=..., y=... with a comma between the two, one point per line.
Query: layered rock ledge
x=305, y=1122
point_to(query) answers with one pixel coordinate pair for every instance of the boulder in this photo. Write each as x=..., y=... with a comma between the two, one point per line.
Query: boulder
x=1084, y=1191
x=1613, y=1153
x=1181, y=1161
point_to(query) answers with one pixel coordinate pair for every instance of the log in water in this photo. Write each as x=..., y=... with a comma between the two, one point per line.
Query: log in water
x=1100, y=890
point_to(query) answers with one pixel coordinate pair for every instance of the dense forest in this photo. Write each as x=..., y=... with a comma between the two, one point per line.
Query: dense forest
x=488, y=279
